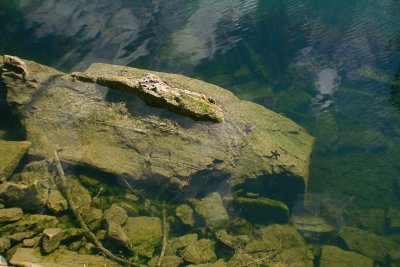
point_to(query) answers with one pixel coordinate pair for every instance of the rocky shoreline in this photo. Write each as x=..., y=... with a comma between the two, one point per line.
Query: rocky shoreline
x=175, y=173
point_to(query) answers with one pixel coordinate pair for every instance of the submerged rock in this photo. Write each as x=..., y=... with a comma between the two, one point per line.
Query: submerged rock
x=51, y=239
x=185, y=213
x=367, y=243
x=10, y=154
x=59, y=258
x=10, y=215
x=393, y=219
x=56, y=203
x=334, y=257
x=116, y=215
x=35, y=223
x=212, y=210
x=101, y=127
x=144, y=234
x=262, y=210
x=311, y=226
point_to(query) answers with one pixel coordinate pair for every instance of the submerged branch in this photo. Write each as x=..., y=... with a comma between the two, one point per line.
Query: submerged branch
x=164, y=234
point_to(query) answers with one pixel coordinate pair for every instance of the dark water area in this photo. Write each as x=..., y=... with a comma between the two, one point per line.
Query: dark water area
x=331, y=66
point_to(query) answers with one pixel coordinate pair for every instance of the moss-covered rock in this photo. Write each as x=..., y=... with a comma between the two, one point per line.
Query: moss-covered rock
x=144, y=234
x=335, y=257
x=115, y=214
x=212, y=210
x=168, y=261
x=35, y=223
x=218, y=263
x=312, y=227
x=185, y=213
x=393, y=219
x=11, y=153
x=10, y=215
x=367, y=243
x=51, y=239
x=59, y=258
x=201, y=251
x=56, y=203
x=261, y=210
x=100, y=127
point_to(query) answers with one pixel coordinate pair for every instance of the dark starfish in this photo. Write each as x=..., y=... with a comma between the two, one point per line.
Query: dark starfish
x=248, y=128
x=275, y=154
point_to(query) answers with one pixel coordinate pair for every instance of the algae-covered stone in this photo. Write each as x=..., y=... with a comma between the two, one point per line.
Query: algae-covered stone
x=4, y=244
x=115, y=214
x=11, y=153
x=35, y=223
x=80, y=196
x=56, y=203
x=232, y=241
x=117, y=234
x=335, y=257
x=262, y=210
x=18, y=237
x=51, y=239
x=185, y=213
x=168, y=261
x=144, y=234
x=100, y=127
x=93, y=218
x=311, y=226
x=178, y=243
x=10, y=215
x=59, y=258
x=218, y=263
x=212, y=210
x=202, y=251
x=367, y=243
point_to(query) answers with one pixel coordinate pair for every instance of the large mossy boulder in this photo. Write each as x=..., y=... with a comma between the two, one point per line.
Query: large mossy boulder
x=212, y=210
x=163, y=128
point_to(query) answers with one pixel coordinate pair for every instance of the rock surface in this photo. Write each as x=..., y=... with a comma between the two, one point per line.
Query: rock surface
x=185, y=213
x=116, y=215
x=10, y=215
x=60, y=258
x=144, y=234
x=10, y=154
x=212, y=210
x=311, y=226
x=262, y=210
x=51, y=239
x=367, y=243
x=335, y=257
x=92, y=124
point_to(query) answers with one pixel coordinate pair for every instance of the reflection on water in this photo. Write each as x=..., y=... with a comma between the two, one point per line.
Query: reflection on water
x=332, y=66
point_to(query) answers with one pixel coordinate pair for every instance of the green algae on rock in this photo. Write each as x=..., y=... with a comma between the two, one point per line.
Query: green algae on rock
x=10, y=154
x=333, y=256
x=117, y=132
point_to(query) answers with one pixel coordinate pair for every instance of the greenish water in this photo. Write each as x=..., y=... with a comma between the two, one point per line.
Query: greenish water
x=331, y=66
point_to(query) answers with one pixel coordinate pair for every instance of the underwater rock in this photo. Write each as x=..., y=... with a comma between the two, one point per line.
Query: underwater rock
x=56, y=203
x=80, y=196
x=201, y=251
x=35, y=223
x=93, y=218
x=212, y=210
x=367, y=243
x=178, y=243
x=10, y=215
x=332, y=256
x=393, y=219
x=18, y=237
x=51, y=239
x=116, y=234
x=115, y=214
x=100, y=127
x=218, y=263
x=261, y=210
x=29, y=242
x=311, y=226
x=30, y=188
x=168, y=261
x=144, y=234
x=11, y=153
x=59, y=258
x=232, y=241
x=4, y=244
x=185, y=213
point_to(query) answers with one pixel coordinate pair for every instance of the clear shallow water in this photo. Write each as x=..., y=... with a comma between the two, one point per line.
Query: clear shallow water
x=331, y=66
